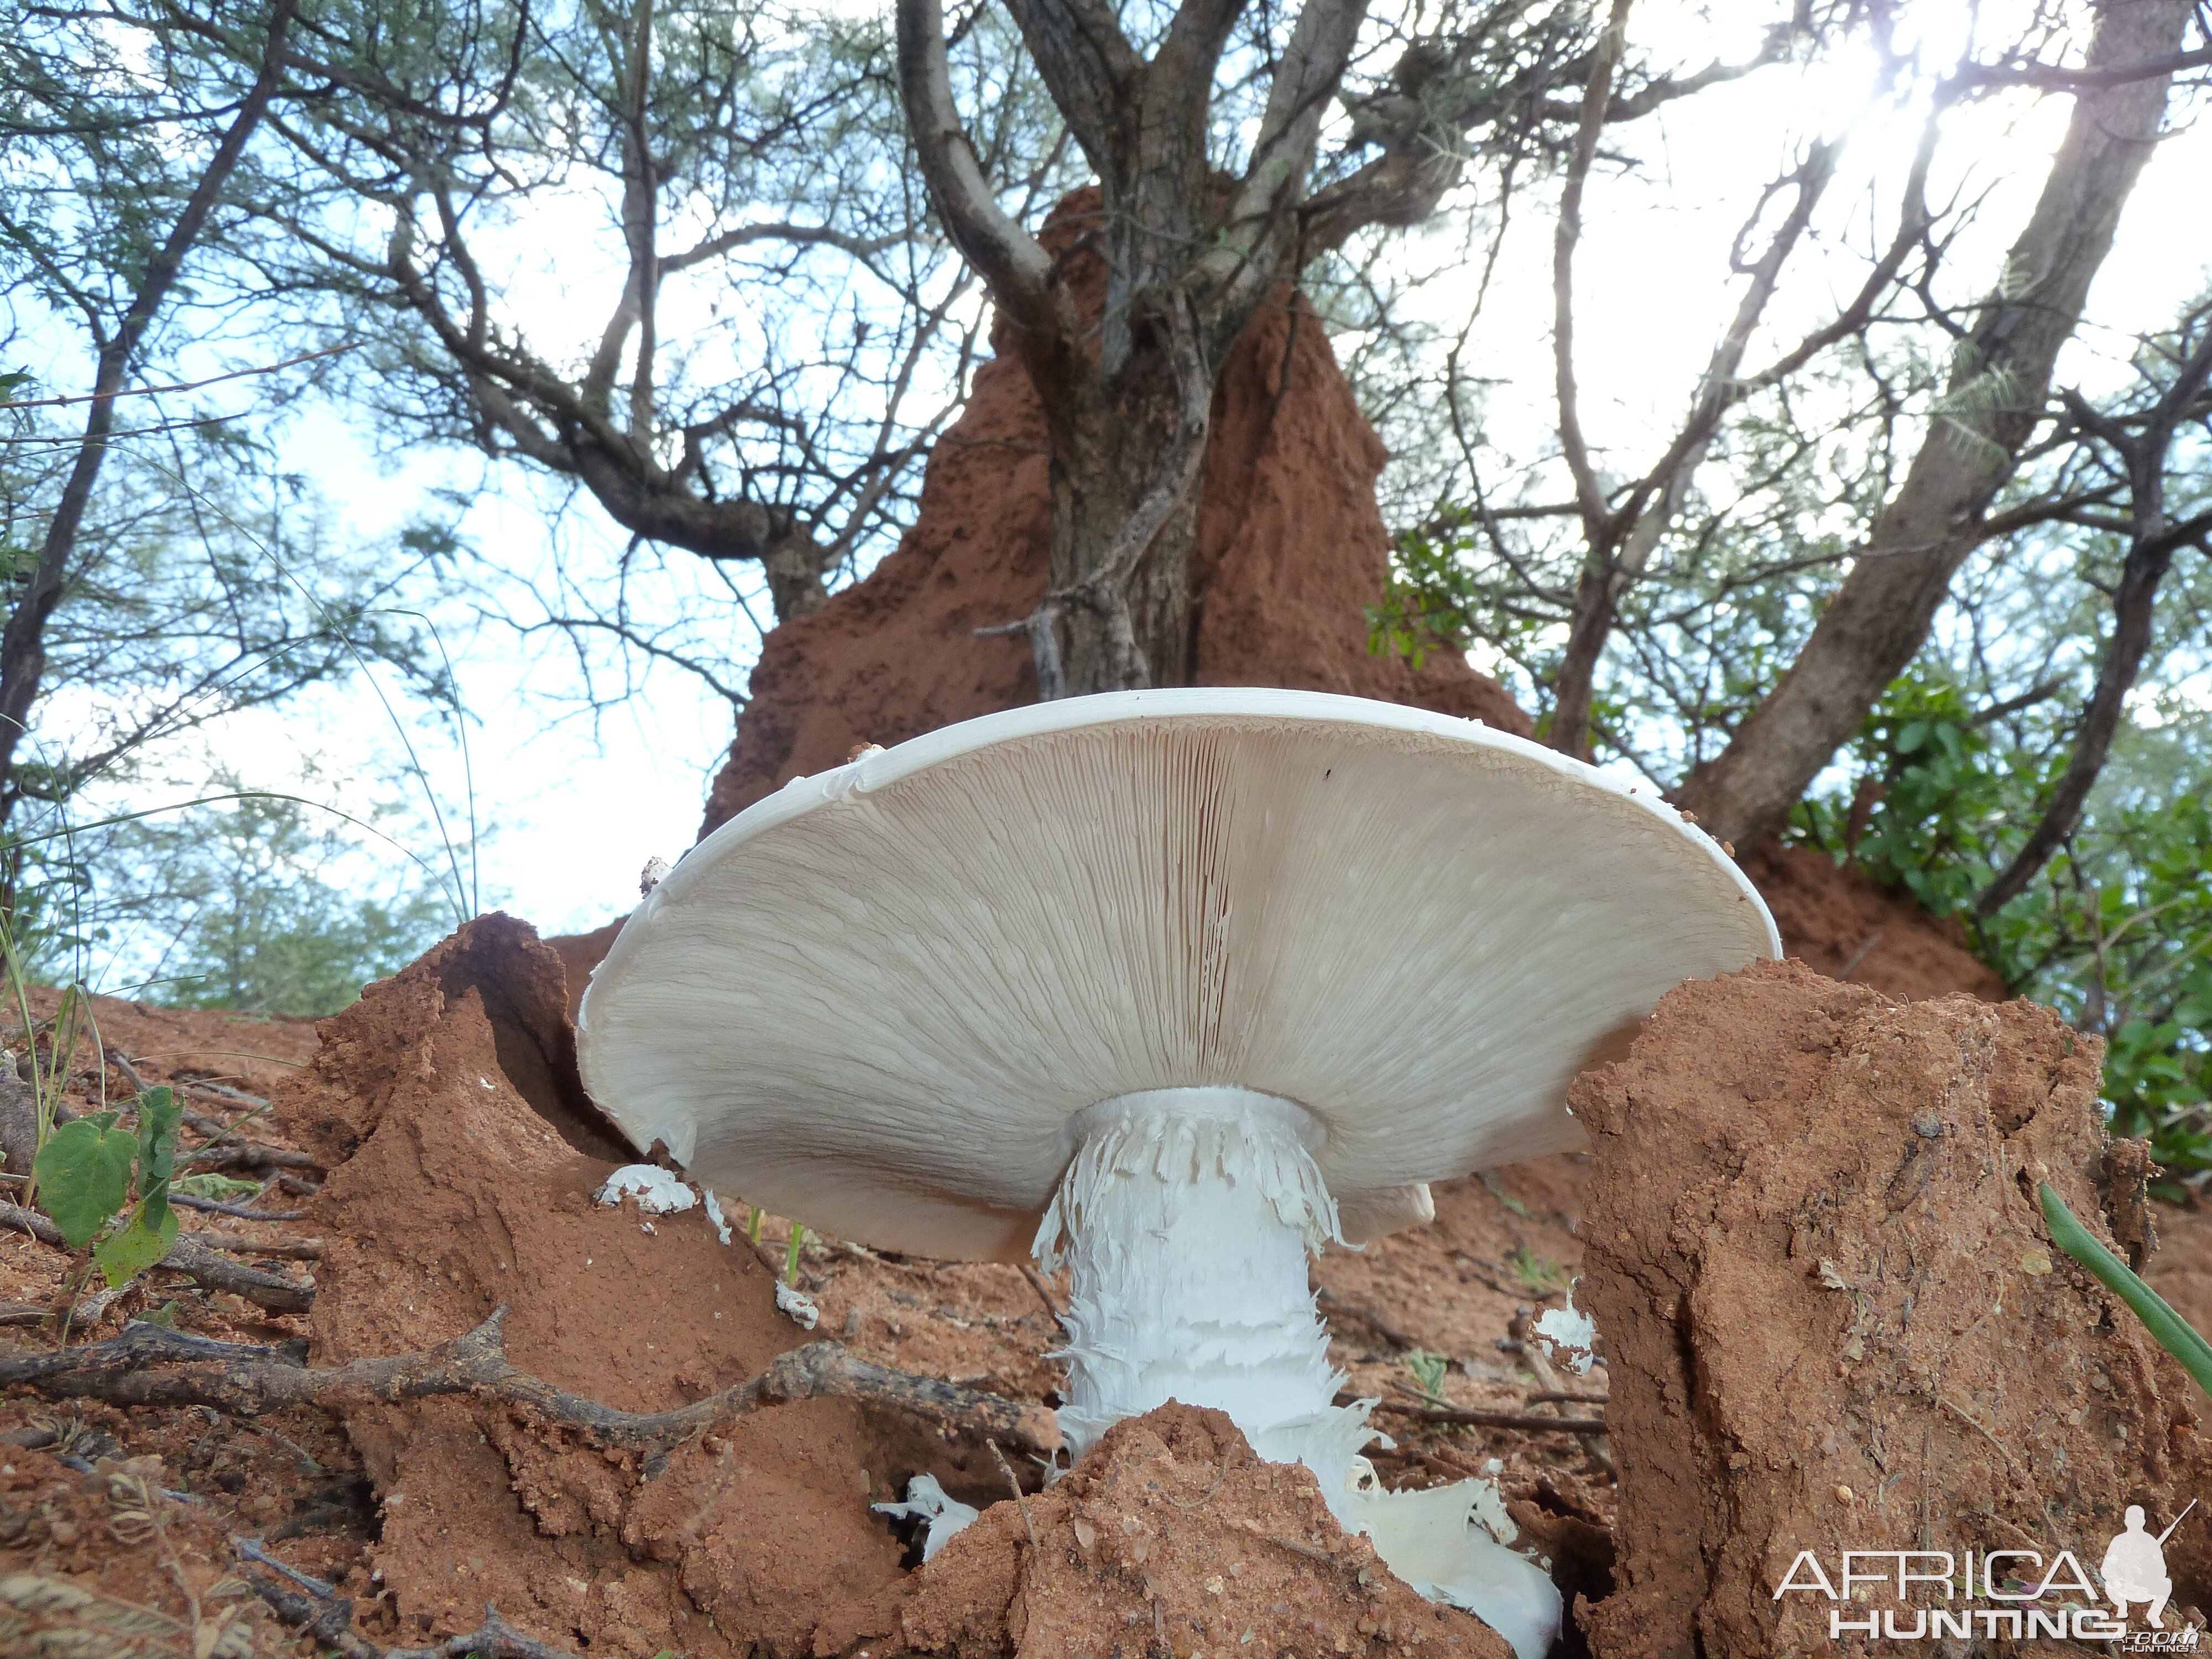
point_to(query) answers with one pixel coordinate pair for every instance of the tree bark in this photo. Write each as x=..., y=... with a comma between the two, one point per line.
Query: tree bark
x=23, y=644
x=1880, y=615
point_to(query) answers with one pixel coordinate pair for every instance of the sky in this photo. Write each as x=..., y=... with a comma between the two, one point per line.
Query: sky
x=571, y=806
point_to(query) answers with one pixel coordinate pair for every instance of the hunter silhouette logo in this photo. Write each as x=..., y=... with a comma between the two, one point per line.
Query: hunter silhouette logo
x=2133, y=1568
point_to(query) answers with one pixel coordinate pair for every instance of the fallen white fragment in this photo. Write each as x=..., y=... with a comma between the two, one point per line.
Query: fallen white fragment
x=1451, y=1543
x=657, y=1191
x=1569, y=1337
x=926, y=1498
x=715, y=1215
x=800, y=1305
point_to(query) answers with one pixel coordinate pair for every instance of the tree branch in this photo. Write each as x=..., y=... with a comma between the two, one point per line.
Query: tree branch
x=1014, y=266
x=194, y=1259
x=152, y=1365
x=1589, y=493
x=22, y=650
x=2052, y=78
x=2134, y=605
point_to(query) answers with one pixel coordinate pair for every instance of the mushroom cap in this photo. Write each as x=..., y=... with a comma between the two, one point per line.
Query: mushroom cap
x=873, y=1001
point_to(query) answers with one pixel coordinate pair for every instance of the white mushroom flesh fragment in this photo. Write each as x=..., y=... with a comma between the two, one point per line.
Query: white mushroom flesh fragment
x=1450, y=1544
x=715, y=1214
x=801, y=1307
x=946, y=1515
x=657, y=1191
x=1569, y=1337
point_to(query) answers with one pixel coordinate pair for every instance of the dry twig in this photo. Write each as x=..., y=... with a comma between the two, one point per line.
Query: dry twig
x=1367, y=1316
x=152, y=1365
x=1015, y=1485
x=1524, y=1420
x=216, y=1206
x=190, y=1256
x=1044, y=1293
x=316, y=1609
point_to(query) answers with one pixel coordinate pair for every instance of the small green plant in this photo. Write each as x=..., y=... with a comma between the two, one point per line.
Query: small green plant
x=1428, y=1372
x=791, y=1256
x=2172, y=1332
x=221, y=1188
x=1538, y=1274
x=108, y=1189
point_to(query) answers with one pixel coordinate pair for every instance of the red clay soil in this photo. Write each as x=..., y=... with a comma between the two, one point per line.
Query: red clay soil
x=1290, y=551
x=1170, y=1538
x=457, y=1196
x=1835, y=1317
x=98, y=1555
x=1839, y=920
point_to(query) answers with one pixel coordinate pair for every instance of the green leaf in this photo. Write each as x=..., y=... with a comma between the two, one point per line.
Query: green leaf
x=84, y=1175
x=159, y=1114
x=213, y=1186
x=124, y=1255
x=1914, y=734
x=2174, y=1333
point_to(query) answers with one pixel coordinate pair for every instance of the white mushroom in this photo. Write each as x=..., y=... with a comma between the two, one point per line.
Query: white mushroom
x=1173, y=986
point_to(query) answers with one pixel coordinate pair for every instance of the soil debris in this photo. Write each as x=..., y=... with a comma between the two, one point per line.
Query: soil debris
x=1834, y=1318
x=1170, y=1537
x=1839, y=920
x=451, y=1087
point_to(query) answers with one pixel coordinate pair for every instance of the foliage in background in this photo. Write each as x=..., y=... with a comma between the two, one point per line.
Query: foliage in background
x=1958, y=761
x=261, y=904
x=2115, y=933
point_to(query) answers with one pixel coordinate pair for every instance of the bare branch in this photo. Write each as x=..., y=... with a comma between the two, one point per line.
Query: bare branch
x=1088, y=66
x=2155, y=540
x=152, y=1365
x=194, y=1259
x=2052, y=77
x=861, y=247
x=1013, y=264
x=1572, y=445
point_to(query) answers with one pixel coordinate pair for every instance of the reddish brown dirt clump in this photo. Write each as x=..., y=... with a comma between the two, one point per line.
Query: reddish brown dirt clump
x=1290, y=551
x=1172, y=1537
x=1835, y=1317
x=458, y=1196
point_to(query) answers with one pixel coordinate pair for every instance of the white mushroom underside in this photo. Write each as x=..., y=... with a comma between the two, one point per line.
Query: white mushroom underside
x=1184, y=1222
x=874, y=999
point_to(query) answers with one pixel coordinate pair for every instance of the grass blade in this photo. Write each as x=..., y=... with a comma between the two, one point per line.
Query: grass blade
x=2174, y=1333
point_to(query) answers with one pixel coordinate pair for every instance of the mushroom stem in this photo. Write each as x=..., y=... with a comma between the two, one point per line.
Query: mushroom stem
x=1185, y=1220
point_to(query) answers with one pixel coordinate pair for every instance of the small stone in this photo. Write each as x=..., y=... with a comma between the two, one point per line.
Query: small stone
x=1845, y=1494
x=63, y=1532
x=1216, y=1584
x=2036, y=1263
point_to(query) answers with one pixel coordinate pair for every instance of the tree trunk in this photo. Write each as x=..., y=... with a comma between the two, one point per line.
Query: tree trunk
x=1109, y=511
x=1879, y=617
